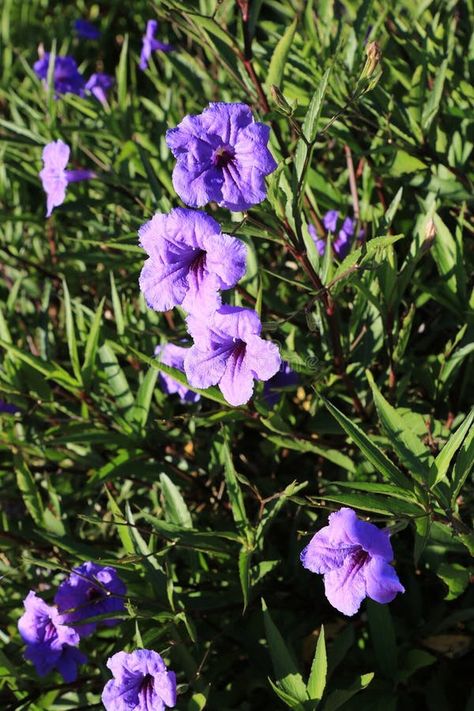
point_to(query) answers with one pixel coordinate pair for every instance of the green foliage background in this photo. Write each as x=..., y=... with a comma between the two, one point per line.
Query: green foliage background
x=205, y=509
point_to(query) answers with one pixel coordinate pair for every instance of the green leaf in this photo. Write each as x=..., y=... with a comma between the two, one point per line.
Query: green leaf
x=141, y=408
x=339, y=697
x=122, y=75
x=279, y=56
x=431, y=107
x=175, y=506
x=319, y=669
x=286, y=671
x=91, y=345
x=234, y=491
x=245, y=559
x=71, y=334
x=462, y=466
x=443, y=460
x=376, y=504
x=456, y=578
x=115, y=377
x=375, y=456
x=382, y=634
x=29, y=491
x=310, y=125
x=409, y=448
x=300, y=445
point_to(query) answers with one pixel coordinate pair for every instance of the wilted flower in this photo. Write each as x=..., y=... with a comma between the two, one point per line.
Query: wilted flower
x=55, y=177
x=284, y=378
x=222, y=155
x=173, y=355
x=141, y=683
x=66, y=76
x=354, y=556
x=345, y=235
x=89, y=591
x=50, y=643
x=229, y=352
x=86, y=30
x=189, y=261
x=150, y=44
x=99, y=84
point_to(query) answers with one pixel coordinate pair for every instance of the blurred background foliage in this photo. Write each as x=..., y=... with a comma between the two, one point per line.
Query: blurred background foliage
x=204, y=509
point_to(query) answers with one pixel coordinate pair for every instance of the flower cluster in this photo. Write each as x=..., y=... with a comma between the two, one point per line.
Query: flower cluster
x=345, y=234
x=222, y=156
x=52, y=632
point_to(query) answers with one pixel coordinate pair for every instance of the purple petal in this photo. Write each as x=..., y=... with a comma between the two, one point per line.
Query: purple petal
x=262, y=357
x=86, y=30
x=236, y=383
x=382, y=581
x=345, y=587
x=330, y=220
x=204, y=368
x=165, y=686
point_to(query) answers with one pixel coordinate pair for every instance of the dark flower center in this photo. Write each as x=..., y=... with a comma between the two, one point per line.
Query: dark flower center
x=94, y=594
x=49, y=631
x=238, y=350
x=146, y=689
x=223, y=156
x=360, y=558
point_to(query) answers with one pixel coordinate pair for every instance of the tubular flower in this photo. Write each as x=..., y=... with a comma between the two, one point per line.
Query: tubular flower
x=354, y=556
x=221, y=156
x=141, y=683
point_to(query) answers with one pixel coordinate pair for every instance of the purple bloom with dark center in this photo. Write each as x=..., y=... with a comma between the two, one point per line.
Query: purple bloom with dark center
x=66, y=76
x=141, y=683
x=354, y=556
x=189, y=261
x=150, y=44
x=229, y=352
x=99, y=84
x=90, y=590
x=284, y=378
x=173, y=355
x=86, y=30
x=55, y=177
x=222, y=156
x=50, y=644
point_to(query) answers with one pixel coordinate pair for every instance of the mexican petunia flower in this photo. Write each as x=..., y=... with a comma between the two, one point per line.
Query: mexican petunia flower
x=150, y=44
x=283, y=379
x=173, y=355
x=189, y=261
x=90, y=590
x=86, y=30
x=66, y=76
x=99, y=85
x=229, y=352
x=354, y=556
x=141, y=683
x=50, y=644
x=221, y=156
x=55, y=177
x=7, y=408
x=342, y=243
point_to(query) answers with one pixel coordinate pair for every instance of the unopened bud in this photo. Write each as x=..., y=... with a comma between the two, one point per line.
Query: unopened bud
x=280, y=100
x=430, y=234
x=374, y=56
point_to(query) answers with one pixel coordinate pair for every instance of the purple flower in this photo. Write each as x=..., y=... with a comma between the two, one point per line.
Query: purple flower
x=330, y=220
x=89, y=591
x=284, y=378
x=86, y=30
x=229, y=352
x=7, y=408
x=50, y=643
x=66, y=76
x=141, y=683
x=343, y=241
x=55, y=177
x=173, y=355
x=222, y=155
x=189, y=261
x=99, y=84
x=150, y=44
x=354, y=557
